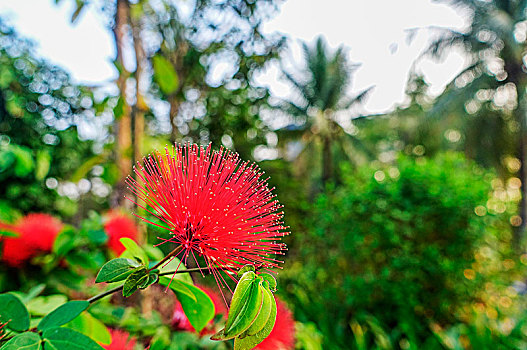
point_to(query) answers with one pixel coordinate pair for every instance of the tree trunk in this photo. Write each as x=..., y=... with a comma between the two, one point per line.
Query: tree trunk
x=123, y=143
x=327, y=160
x=140, y=105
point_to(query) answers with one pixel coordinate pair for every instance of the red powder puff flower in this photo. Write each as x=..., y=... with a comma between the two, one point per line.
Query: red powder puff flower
x=36, y=233
x=282, y=336
x=119, y=226
x=212, y=205
x=180, y=320
x=121, y=340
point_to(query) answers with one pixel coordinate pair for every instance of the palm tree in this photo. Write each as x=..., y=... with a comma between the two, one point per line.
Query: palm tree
x=322, y=94
x=495, y=41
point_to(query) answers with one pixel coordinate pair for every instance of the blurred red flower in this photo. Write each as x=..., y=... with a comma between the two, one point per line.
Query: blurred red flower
x=36, y=233
x=119, y=226
x=180, y=321
x=212, y=205
x=121, y=340
x=282, y=336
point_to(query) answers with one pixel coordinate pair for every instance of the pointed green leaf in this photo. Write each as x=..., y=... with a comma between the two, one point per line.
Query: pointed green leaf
x=240, y=296
x=92, y=327
x=63, y=314
x=24, y=341
x=116, y=270
x=14, y=313
x=265, y=311
x=176, y=264
x=269, y=278
x=248, y=314
x=135, y=280
x=177, y=286
x=133, y=250
x=245, y=269
x=62, y=338
x=197, y=305
x=245, y=306
x=43, y=305
x=250, y=341
x=165, y=75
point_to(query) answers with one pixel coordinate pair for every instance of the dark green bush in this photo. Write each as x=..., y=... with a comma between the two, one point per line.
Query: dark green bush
x=393, y=244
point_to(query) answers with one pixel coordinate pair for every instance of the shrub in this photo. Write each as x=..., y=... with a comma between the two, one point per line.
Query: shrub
x=396, y=244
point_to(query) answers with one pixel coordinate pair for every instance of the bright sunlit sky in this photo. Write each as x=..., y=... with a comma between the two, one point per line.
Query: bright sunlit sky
x=374, y=31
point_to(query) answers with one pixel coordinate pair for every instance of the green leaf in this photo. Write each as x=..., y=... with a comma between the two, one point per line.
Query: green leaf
x=61, y=338
x=92, y=327
x=41, y=306
x=177, y=286
x=78, y=10
x=134, y=281
x=14, y=312
x=152, y=278
x=176, y=264
x=97, y=237
x=197, y=305
x=241, y=295
x=250, y=341
x=43, y=162
x=246, y=304
x=165, y=75
x=65, y=241
x=265, y=311
x=82, y=259
x=133, y=250
x=269, y=278
x=116, y=270
x=245, y=269
x=63, y=314
x=24, y=341
x=33, y=292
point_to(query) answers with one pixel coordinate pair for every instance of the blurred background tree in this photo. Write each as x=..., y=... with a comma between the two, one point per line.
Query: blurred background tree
x=175, y=69
x=41, y=111
x=322, y=100
x=488, y=97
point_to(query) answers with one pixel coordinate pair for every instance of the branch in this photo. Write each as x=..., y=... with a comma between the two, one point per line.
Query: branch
x=119, y=288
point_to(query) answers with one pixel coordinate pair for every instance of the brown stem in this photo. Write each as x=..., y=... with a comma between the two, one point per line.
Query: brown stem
x=166, y=258
x=195, y=269
x=103, y=294
x=118, y=288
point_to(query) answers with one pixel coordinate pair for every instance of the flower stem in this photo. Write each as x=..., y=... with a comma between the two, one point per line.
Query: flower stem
x=166, y=258
x=195, y=269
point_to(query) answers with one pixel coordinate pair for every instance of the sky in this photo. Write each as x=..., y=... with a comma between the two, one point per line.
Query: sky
x=374, y=32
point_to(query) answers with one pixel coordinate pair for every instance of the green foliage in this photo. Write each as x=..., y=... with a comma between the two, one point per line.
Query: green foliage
x=133, y=251
x=197, y=304
x=61, y=338
x=323, y=92
x=395, y=247
x=88, y=325
x=165, y=75
x=24, y=341
x=63, y=314
x=38, y=136
x=14, y=313
x=252, y=313
x=116, y=270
